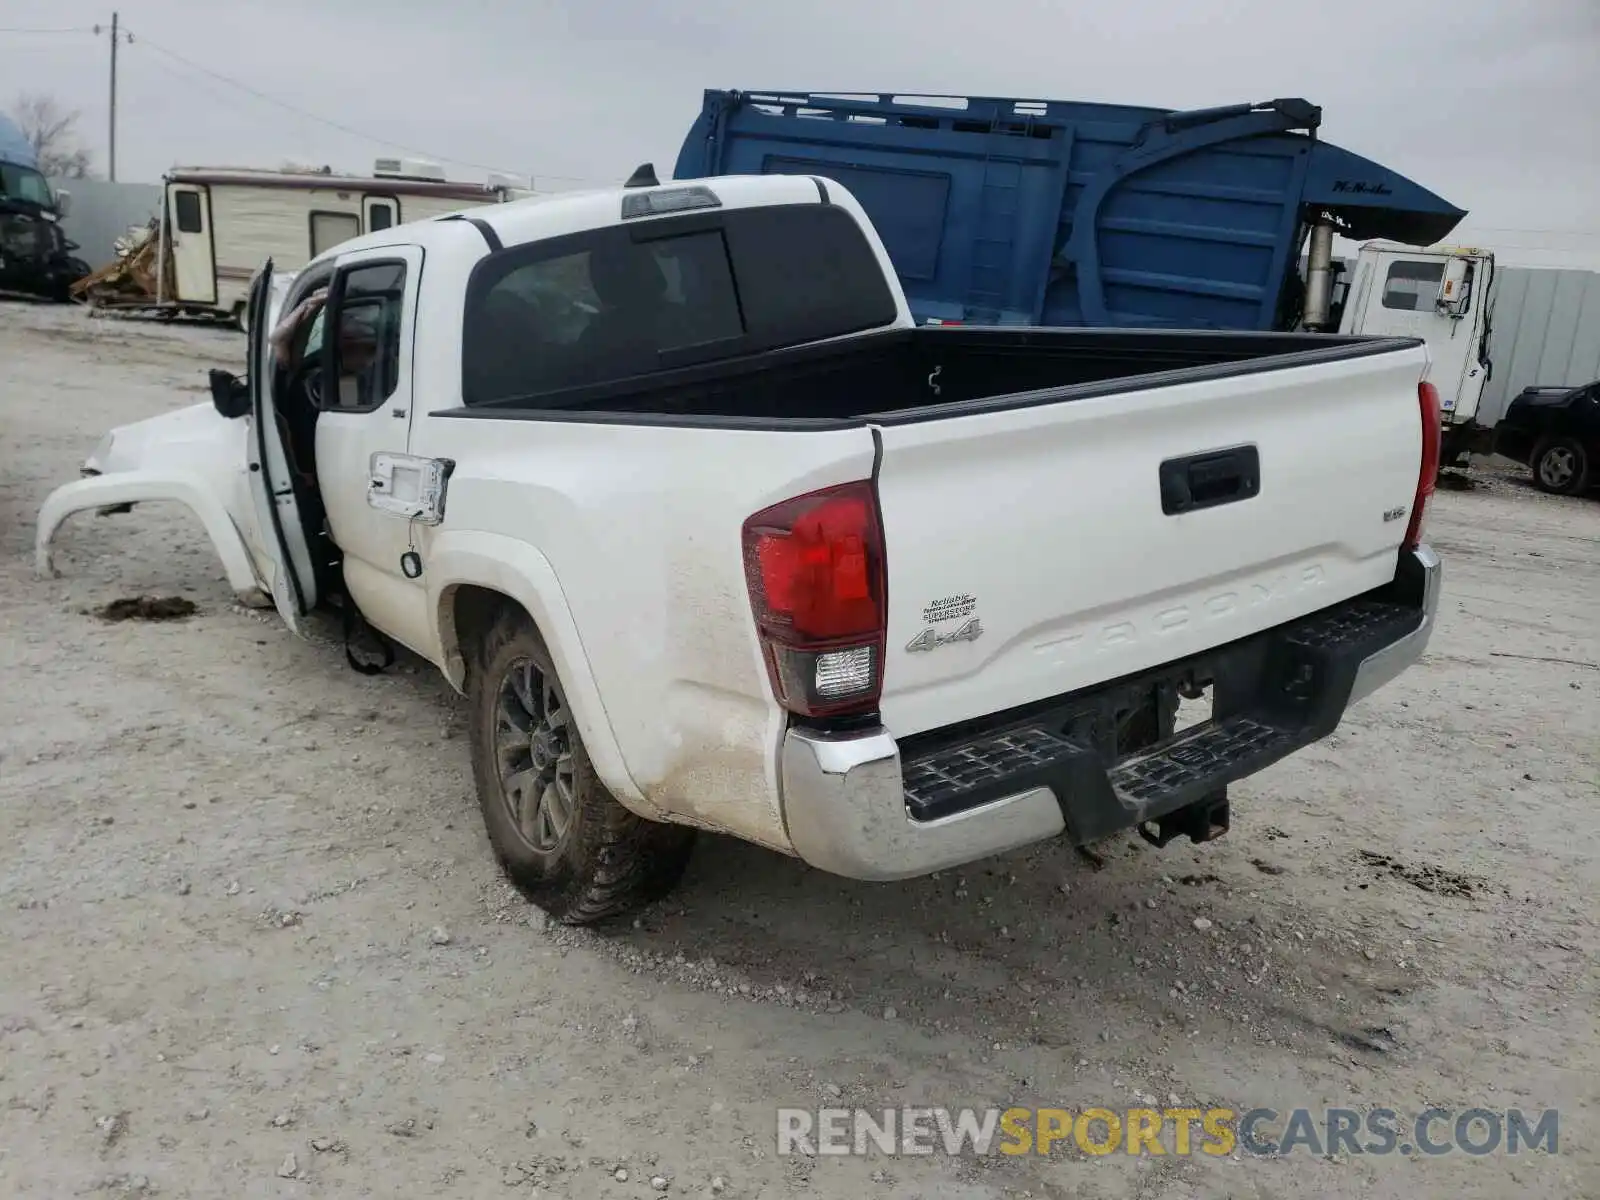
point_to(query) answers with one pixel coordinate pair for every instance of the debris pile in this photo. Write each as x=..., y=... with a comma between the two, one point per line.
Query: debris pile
x=132, y=279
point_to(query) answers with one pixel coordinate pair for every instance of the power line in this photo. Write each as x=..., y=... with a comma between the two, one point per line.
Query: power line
x=82, y=29
x=232, y=101
x=328, y=121
x=205, y=87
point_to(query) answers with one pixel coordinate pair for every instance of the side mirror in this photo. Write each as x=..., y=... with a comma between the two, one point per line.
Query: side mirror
x=230, y=395
x=1455, y=289
x=63, y=203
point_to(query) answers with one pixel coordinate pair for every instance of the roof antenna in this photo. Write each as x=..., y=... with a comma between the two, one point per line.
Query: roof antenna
x=645, y=176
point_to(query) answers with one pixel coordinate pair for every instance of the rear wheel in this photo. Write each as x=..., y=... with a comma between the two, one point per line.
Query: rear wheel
x=559, y=835
x=1561, y=466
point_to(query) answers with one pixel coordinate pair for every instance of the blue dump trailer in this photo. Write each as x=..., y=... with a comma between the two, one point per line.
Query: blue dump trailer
x=1057, y=213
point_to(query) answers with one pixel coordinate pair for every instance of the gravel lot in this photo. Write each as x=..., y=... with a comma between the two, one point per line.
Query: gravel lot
x=255, y=944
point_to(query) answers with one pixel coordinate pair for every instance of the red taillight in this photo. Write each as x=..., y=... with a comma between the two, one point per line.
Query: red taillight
x=1428, y=474
x=815, y=570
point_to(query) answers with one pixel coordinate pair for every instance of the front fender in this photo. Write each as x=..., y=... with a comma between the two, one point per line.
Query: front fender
x=133, y=487
x=516, y=569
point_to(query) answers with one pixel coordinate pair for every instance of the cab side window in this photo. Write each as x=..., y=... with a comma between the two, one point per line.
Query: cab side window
x=366, y=337
x=1412, y=285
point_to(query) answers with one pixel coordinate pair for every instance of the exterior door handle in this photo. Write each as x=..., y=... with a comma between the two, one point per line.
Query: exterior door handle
x=1206, y=480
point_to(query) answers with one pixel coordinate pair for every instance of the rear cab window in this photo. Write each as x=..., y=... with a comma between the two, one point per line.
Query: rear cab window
x=597, y=308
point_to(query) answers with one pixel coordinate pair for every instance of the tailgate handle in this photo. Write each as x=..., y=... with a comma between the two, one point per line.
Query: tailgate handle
x=1207, y=480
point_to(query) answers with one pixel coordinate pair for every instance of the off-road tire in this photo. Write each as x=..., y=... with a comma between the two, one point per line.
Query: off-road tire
x=609, y=861
x=1574, y=479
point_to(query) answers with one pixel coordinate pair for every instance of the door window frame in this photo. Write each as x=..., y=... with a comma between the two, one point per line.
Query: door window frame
x=1389, y=276
x=331, y=313
x=305, y=283
x=193, y=193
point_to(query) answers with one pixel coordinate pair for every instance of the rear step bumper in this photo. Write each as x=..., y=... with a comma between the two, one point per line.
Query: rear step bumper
x=863, y=806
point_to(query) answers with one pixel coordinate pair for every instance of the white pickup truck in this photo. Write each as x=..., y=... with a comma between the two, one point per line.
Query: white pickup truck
x=667, y=482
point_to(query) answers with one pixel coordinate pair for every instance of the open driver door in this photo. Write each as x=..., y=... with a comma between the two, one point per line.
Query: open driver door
x=277, y=511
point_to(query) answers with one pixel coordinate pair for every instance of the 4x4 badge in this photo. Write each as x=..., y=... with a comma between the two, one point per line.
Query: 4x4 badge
x=931, y=639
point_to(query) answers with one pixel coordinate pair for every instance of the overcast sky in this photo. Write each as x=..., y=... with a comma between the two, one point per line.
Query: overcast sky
x=1492, y=105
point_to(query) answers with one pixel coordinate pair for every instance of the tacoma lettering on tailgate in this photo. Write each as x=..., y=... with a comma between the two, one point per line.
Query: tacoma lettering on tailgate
x=1221, y=604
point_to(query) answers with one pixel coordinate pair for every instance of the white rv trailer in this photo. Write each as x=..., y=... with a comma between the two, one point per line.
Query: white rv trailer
x=219, y=224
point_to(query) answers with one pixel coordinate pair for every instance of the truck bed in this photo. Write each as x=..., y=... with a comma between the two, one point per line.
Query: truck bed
x=1099, y=501
x=905, y=375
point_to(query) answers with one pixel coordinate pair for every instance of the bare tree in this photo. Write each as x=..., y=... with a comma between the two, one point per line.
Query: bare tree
x=53, y=132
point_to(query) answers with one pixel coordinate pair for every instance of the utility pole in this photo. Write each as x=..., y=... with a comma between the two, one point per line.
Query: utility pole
x=112, y=172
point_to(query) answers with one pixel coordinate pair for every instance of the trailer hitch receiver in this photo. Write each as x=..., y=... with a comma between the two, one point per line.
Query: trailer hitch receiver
x=1203, y=821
